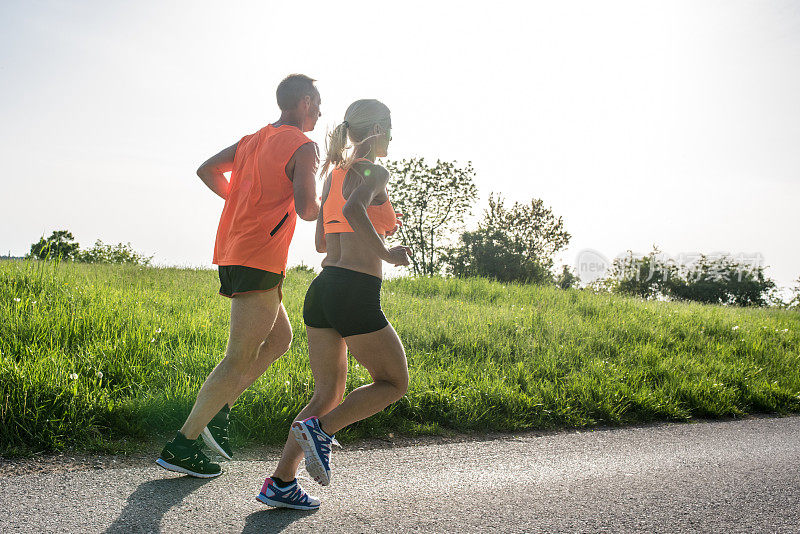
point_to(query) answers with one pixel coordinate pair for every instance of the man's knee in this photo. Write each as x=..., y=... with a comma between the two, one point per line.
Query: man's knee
x=239, y=361
x=279, y=340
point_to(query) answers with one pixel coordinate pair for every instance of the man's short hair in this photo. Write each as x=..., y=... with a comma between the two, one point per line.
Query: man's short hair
x=292, y=90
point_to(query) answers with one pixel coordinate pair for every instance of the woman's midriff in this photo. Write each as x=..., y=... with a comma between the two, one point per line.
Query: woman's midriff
x=348, y=251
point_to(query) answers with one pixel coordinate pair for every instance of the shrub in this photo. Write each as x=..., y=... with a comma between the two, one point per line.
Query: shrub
x=119, y=253
x=715, y=279
x=514, y=243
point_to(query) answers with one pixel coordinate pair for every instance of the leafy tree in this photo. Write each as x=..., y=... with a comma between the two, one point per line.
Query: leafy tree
x=641, y=276
x=567, y=278
x=60, y=245
x=119, y=253
x=434, y=201
x=511, y=244
x=532, y=228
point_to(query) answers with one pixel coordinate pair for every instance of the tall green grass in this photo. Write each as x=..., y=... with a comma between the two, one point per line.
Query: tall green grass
x=94, y=356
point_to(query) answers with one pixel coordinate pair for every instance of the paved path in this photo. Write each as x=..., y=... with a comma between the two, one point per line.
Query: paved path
x=736, y=476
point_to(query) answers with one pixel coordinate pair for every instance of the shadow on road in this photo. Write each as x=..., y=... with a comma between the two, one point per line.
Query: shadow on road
x=273, y=520
x=151, y=501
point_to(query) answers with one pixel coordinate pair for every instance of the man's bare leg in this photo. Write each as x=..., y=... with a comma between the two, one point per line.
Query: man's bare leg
x=276, y=345
x=252, y=318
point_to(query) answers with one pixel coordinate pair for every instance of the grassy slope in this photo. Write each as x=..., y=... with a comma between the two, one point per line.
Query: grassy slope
x=482, y=355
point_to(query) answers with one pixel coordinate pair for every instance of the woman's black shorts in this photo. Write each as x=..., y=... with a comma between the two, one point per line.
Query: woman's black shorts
x=345, y=300
x=237, y=279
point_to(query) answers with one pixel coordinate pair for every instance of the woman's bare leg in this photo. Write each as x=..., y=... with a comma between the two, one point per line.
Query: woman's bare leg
x=327, y=355
x=383, y=355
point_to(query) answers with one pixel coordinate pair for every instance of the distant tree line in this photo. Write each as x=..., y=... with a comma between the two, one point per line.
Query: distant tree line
x=61, y=245
x=518, y=243
x=710, y=279
x=511, y=243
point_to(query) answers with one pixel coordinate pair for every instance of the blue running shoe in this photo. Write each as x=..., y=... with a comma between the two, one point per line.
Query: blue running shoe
x=316, y=446
x=291, y=496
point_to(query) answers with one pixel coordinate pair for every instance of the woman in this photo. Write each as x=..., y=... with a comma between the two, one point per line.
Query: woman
x=342, y=306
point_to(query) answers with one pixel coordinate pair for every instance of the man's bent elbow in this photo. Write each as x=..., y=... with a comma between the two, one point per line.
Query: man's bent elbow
x=308, y=213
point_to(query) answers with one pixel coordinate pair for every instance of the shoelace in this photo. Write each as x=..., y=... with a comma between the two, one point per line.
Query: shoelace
x=221, y=428
x=199, y=457
x=296, y=494
x=325, y=445
x=223, y=436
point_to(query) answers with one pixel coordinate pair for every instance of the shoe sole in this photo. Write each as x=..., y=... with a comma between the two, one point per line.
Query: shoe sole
x=178, y=469
x=313, y=461
x=277, y=504
x=212, y=443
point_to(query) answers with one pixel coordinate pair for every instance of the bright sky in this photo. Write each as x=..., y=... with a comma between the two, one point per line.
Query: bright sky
x=675, y=123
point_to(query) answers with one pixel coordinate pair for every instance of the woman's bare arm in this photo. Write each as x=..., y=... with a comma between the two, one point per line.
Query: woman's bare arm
x=355, y=211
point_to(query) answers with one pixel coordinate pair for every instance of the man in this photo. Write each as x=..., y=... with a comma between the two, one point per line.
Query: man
x=272, y=182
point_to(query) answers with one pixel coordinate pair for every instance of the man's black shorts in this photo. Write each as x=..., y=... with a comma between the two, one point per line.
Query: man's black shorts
x=237, y=279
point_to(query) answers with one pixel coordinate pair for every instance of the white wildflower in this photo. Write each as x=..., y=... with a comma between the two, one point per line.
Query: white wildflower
x=287, y=382
x=785, y=330
x=17, y=300
x=99, y=374
x=158, y=331
x=736, y=328
x=73, y=376
x=153, y=340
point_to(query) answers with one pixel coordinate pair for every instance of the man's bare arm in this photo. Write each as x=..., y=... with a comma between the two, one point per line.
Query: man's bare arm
x=319, y=236
x=306, y=161
x=213, y=169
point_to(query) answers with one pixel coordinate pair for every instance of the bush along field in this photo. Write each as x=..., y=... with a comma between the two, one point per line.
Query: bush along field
x=104, y=357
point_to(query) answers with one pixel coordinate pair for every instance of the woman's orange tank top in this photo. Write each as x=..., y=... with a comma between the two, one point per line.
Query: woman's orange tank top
x=383, y=217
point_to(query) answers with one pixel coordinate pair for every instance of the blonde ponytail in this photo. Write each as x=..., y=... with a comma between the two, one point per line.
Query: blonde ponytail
x=359, y=119
x=335, y=147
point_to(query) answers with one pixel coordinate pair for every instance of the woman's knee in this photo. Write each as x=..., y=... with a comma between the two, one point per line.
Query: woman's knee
x=398, y=382
x=397, y=378
x=328, y=398
x=401, y=386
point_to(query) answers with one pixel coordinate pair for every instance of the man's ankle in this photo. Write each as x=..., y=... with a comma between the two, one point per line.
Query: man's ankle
x=181, y=439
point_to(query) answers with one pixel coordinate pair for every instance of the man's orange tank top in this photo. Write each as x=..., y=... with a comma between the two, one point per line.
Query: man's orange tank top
x=383, y=217
x=258, y=220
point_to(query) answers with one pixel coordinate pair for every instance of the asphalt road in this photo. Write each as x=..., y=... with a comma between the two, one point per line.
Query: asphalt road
x=734, y=476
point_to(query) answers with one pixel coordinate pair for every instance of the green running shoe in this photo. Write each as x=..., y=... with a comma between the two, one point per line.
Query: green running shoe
x=215, y=434
x=185, y=456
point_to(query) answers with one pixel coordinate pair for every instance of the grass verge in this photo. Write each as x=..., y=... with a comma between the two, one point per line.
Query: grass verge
x=99, y=357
